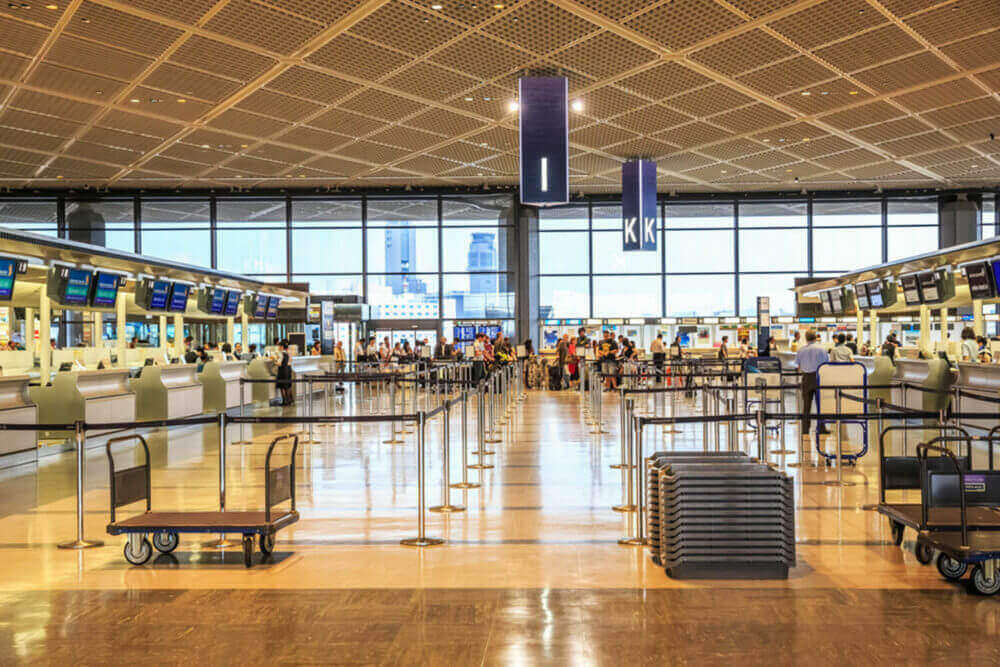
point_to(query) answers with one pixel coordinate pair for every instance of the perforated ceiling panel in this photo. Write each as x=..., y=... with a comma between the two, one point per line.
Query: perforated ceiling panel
x=722, y=94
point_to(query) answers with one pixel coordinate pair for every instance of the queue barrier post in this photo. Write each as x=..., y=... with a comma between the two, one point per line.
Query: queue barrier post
x=446, y=507
x=242, y=440
x=633, y=539
x=421, y=540
x=628, y=490
x=465, y=483
x=481, y=431
x=840, y=481
x=81, y=542
x=222, y=542
x=393, y=440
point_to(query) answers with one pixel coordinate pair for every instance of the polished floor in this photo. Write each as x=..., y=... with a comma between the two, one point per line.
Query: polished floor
x=531, y=572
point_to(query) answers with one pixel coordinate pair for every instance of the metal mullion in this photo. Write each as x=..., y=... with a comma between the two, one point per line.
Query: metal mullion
x=61, y=231
x=809, y=235
x=590, y=256
x=663, y=259
x=137, y=224
x=440, y=263
x=364, y=248
x=213, y=225
x=736, y=257
x=885, y=229
x=288, y=238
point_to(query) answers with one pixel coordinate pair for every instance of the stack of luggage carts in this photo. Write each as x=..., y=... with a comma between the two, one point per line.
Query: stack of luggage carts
x=719, y=515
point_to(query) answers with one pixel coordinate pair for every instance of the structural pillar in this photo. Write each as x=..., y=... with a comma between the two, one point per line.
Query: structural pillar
x=873, y=337
x=164, y=346
x=29, y=329
x=120, y=342
x=978, y=325
x=924, y=342
x=244, y=329
x=859, y=329
x=943, y=314
x=44, y=337
x=179, y=335
x=97, y=336
x=230, y=329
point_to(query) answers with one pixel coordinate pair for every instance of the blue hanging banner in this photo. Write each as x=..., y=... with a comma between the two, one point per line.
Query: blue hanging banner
x=544, y=136
x=639, y=205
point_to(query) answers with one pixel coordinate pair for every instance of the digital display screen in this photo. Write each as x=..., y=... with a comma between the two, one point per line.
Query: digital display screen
x=875, y=294
x=465, y=334
x=77, y=289
x=233, y=302
x=159, y=294
x=105, y=290
x=179, y=297
x=8, y=272
x=824, y=300
x=981, y=280
x=836, y=300
x=491, y=330
x=861, y=292
x=929, y=287
x=261, y=309
x=272, y=307
x=911, y=291
x=218, y=301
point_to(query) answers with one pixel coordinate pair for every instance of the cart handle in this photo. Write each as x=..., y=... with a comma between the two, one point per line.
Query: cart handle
x=142, y=469
x=922, y=450
x=280, y=481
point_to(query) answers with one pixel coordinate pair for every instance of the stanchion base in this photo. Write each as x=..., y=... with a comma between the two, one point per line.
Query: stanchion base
x=446, y=509
x=598, y=431
x=783, y=452
x=837, y=482
x=623, y=508
x=672, y=430
x=422, y=542
x=309, y=441
x=869, y=507
x=618, y=466
x=794, y=465
x=631, y=542
x=492, y=441
x=81, y=544
x=394, y=441
x=484, y=452
x=480, y=466
x=223, y=543
x=465, y=485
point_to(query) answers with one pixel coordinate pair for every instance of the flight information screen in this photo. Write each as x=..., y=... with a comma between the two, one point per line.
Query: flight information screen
x=8, y=273
x=911, y=291
x=929, y=287
x=77, y=289
x=861, y=292
x=875, y=294
x=179, y=297
x=159, y=294
x=105, y=290
x=980, y=277
x=218, y=301
x=233, y=302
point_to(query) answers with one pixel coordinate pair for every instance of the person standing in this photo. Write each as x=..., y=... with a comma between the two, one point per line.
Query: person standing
x=606, y=354
x=840, y=352
x=808, y=359
x=970, y=350
x=284, y=376
x=852, y=344
x=659, y=353
x=724, y=348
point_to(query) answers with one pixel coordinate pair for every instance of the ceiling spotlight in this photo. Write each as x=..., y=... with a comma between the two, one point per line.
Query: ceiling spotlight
x=499, y=5
x=204, y=145
x=98, y=92
x=85, y=19
x=468, y=99
x=513, y=105
x=825, y=92
x=766, y=141
x=181, y=100
x=806, y=93
x=437, y=6
x=853, y=92
x=244, y=145
x=51, y=6
x=134, y=100
x=577, y=106
x=724, y=171
x=59, y=176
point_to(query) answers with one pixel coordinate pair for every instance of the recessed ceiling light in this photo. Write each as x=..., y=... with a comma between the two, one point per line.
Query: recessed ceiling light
x=98, y=92
x=244, y=145
x=85, y=19
x=468, y=99
x=766, y=141
x=512, y=105
x=436, y=6
x=825, y=92
x=805, y=139
x=204, y=145
x=724, y=171
x=974, y=166
x=487, y=99
x=577, y=106
x=154, y=100
x=853, y=92
x=781, y=141
x=788, y=171
x=134, y=100
x=806, y=93
x=51, y=6
x=59, y=176
x=498, y=5
x=181, y=100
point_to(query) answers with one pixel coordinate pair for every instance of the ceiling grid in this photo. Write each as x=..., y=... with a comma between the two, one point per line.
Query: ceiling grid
x=726, y=95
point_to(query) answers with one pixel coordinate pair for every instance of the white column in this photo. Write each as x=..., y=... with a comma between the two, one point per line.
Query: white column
x=29, y=329
x=44, y=336
x=96, y=337
x=179, y=334
x=859, y=329
x=978, y=325
x=230, y=329
x=120, y=343
x=164, y=346
x=244, y=329
x=943, y=314
x=873, y=330
x=924, y=342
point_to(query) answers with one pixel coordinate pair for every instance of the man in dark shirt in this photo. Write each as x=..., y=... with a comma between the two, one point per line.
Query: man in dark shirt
x=190, y=356
x=581, y=338
x=607, y=352
x=851, y=344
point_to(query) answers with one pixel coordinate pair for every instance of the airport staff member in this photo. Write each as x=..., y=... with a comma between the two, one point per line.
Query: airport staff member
x=808, y=360
x=659, y=353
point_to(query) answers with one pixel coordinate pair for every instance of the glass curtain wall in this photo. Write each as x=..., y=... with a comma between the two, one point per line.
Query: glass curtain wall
x=717, y=257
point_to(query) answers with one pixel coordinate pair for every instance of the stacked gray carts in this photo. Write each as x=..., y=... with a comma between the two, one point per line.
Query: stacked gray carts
x=719, y=515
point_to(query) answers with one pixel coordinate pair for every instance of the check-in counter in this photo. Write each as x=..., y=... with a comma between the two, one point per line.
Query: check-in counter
x=136, y=356
x=933, y=374
x=16, y=407
x=261, y=368
x=92, y=396
x=17, y=362
x=982, y=379
x=787, y=360
x=220, y=382
x=168, y=392
x=312, y=365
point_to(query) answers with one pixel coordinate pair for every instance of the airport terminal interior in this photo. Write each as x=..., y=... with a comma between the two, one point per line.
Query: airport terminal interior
x=556, y=332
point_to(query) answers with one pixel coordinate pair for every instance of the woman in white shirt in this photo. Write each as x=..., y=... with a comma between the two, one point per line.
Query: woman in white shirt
x=970, y=350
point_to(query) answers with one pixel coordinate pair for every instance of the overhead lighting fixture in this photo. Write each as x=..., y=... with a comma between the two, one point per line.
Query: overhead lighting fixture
x=577, y=106
x=181, y=100
x=59, y=176
x=134, y=100
x=85, y=19
x=204, y=145
x=806, y=93
x=853, y=92
x=513, y=105
x=51, y=6
x=825, y=92
x=437, y=6
x=766, y=141
x=499, y=5
x=244, y=145
x=468, y=99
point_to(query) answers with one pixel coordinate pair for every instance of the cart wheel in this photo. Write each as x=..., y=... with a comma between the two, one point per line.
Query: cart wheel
x=897, y=532
x=248, y=550
x=165, y=541
x=145, y=551
x=981, y=584
x=950, y=568
x=267, y=543
x=924, y=554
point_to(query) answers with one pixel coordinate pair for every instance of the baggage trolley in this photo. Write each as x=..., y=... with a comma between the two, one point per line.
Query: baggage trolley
x=958, y=549
x=131, y=485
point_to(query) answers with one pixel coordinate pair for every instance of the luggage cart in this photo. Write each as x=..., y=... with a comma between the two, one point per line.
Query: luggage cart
x=131, y=485
x=904, y=473
x=830, y=376
x=958, y=549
